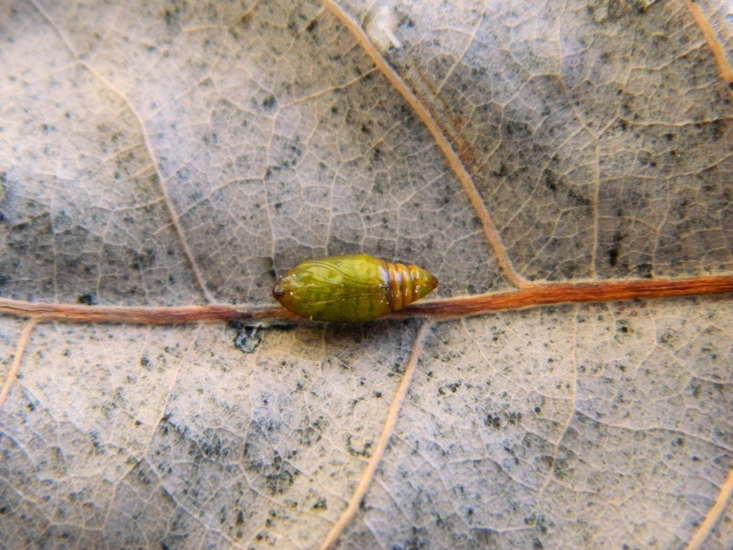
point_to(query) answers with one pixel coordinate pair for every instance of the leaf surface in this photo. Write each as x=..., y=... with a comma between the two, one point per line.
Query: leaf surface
x=175, y=154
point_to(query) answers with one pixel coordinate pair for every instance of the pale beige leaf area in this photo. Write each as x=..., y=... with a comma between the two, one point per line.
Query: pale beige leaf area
x=173, y=154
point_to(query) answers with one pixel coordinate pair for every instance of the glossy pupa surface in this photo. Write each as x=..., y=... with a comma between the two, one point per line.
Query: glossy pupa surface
x=351, y=289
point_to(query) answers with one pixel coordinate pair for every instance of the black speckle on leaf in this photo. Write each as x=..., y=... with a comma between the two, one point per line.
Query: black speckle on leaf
x=623, y=326
x=547, y=461
x=407, y=22
x=269, y=102
x=514, y=130
x=644, y=271
x=514, y=418
x=365, y=452
x=492, y=421
x=279, y=476
x=86, y=299
x=541, y=524
x=646, y=159
x=550, y=180
x=171, y=17
x=501, y=172
x=613, y=251
x=320, y=504
x=713, y=129
x=247, y=339
x=244, y=22
x=311, y=434
x=144, y=260
x=561, y=469
x=579, y=199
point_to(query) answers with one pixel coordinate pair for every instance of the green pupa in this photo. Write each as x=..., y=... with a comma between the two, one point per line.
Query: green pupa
x=351, y=289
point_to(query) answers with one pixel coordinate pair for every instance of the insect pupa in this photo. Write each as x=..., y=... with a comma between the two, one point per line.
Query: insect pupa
x=351, y=289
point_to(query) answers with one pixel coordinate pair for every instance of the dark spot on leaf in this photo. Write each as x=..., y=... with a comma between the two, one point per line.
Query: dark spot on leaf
x=492, y=421
x=562, y=468
x=644, y=271
x=86, y=299
x=144, y=260
x=365, y=452
x=613, y=252
x=247, y=340
x=646, y=159
x=269, y=102
x=714, y=128
x=578, y=199
x=312, y=434
x=514, y=130
x=623, y=327
x=550, y=180
x=280, y=478
x=320, y=504
x=501, y=172
x=548, y=461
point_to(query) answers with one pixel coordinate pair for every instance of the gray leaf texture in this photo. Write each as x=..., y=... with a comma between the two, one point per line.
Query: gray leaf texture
x=183, y=153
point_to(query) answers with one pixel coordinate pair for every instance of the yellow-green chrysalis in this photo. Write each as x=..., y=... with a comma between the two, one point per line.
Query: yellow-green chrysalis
x=351, y=289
